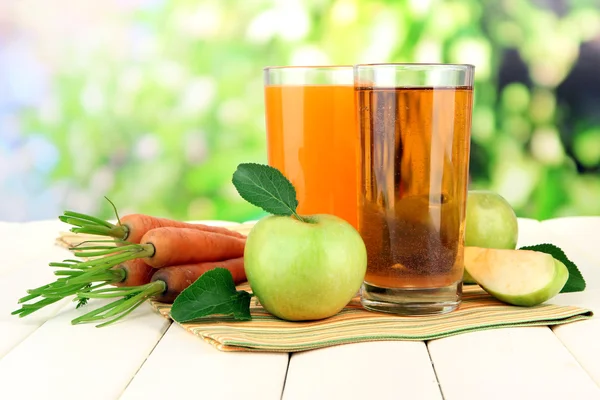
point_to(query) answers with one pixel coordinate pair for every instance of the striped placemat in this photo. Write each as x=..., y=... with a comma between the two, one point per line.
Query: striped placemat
x=478, y=311
x=353, y=324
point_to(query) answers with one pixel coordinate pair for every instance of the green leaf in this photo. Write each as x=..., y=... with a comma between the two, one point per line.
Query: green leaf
x=575, y=283
x=213, y=293
x=265, y=187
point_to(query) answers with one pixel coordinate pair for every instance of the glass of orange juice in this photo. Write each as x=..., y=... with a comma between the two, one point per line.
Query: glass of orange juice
x=312, y=136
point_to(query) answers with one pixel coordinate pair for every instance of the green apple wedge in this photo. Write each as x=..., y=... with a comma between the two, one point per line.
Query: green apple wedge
x=304, y=270
x=518, y=277
x=490, y=222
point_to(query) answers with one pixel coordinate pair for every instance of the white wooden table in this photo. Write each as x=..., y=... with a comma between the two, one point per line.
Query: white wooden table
x=146, y=357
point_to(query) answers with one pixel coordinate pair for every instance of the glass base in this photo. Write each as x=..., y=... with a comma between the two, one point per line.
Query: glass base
x=412, y=301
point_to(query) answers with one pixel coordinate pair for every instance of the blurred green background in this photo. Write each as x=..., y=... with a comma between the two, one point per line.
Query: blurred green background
x=154, y=103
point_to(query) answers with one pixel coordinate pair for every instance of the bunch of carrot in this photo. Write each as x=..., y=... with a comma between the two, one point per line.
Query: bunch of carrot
x=143, y=257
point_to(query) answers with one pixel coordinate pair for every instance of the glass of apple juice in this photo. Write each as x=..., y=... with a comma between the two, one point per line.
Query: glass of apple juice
x=414, y=131
x=312, y=136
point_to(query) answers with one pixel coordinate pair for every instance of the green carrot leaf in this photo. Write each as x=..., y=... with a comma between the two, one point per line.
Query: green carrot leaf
x=213, y=293
x=266, y=187
x=81, y=302
x=575, y=283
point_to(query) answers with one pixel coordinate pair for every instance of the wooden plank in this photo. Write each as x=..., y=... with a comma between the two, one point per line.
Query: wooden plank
x=371, y=370
x=12, y=239
x=581, y=338
x=532, y=360
x=183, y=364
x=21, y=243
x=59, y=360
x=531, y=232
x=579, y=237
x=14, y=285
x=573, y=226
x=577, y=242
x=511, y=363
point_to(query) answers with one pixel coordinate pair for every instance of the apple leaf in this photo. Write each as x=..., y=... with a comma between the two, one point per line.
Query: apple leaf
x=213, y=293
x=265, y=187
x=575, y=283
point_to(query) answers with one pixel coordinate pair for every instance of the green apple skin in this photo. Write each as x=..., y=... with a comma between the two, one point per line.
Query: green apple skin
x=490, y=221
x=468, y=279
x=304, y=270
x=517, y=277
x=561, y=275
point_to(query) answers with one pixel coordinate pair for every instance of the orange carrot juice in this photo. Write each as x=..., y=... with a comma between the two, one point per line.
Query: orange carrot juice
x=313, y=140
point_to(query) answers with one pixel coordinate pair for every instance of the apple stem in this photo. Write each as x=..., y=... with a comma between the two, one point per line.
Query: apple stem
x=299, y=218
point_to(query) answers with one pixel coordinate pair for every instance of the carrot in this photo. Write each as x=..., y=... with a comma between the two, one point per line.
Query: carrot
x=175, y=246
x=152, y=242
x=166, y=284
x=137, y=225
x=137, y=272
x=133, y=227
x=159, y=248
x=180, y=277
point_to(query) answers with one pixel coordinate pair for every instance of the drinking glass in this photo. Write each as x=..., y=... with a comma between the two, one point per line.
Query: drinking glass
x=415, y=127
x=312, y=135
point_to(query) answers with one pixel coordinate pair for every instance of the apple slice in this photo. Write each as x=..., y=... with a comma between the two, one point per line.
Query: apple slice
x=518, y=277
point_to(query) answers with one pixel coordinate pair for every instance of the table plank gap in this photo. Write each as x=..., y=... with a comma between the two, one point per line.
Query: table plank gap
x=435, y=373
x=509, y=363
x=581, y=338
x=379, y=370
x=577, y=237
x=183, y=363
x=149, y=354
x=75, y=361
x=287, y=370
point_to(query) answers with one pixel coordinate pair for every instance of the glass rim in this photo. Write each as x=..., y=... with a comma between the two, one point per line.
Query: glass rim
x=364, y=65
x=307, y=67
x=409, y=65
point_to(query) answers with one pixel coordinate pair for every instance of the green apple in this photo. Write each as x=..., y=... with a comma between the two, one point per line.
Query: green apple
x=304, y=270
x=518, y=277
x=490, y=222
x=467, y=278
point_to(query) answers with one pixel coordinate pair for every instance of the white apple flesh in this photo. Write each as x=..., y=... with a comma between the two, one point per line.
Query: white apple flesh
x=304, y=270
x=518, y=277
x=490, y=222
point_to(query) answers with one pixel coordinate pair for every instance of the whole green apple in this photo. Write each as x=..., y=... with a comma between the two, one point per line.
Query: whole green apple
x=304, y=270
x=490, y=221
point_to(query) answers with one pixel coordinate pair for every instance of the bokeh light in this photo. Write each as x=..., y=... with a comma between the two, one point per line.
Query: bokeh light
x=153, y=103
